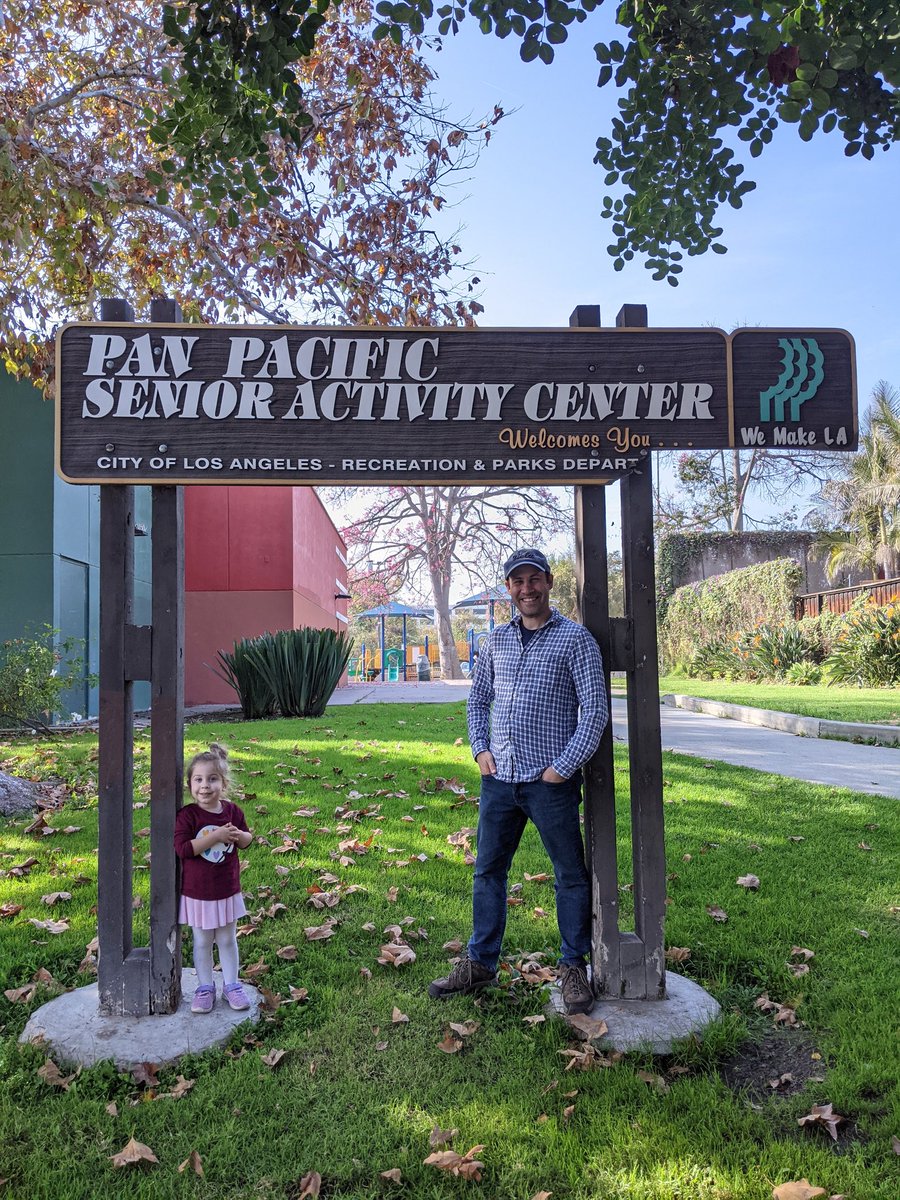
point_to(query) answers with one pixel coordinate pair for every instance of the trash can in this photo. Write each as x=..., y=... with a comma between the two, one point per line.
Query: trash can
x=424, y=669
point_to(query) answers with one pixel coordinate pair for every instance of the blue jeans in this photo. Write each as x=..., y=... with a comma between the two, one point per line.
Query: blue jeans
x=505, y=809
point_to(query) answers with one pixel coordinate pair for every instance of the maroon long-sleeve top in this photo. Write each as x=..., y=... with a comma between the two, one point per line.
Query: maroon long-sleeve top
x=215, y=874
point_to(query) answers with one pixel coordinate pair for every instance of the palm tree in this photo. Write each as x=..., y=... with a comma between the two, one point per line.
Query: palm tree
x=864, y=502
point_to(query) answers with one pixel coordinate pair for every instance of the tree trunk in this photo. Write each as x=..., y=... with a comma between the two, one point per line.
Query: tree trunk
x=450, y=668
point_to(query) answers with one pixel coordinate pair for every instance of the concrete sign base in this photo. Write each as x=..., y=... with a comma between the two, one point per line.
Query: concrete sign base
x=652, y=1024
x=74, y=1030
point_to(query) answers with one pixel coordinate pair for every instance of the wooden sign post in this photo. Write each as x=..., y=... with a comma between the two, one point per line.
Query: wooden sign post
x=167, y=404
x=138, y=981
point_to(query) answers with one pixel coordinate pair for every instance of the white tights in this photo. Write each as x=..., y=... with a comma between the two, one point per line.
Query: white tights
x=226, y=939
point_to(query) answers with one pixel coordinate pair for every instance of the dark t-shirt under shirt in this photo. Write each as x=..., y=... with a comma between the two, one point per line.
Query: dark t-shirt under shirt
x=202, y=877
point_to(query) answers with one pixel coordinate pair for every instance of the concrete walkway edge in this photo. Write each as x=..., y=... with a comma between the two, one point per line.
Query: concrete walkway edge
x=814, y=727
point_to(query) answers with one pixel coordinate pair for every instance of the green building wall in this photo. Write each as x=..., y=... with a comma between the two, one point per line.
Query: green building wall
x=50, y=541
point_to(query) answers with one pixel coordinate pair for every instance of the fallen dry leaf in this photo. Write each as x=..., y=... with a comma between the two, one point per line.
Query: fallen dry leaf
x=55, y=897
x=396, y=954
x=450, y=1045
x=464, y=1165
x=310, y=1185
x=863, y=933
x=20, y=995
x=824, y=1115
x=10, y=910
x=748, y=881
x=318, y=933
x=678, y=954
x=133, y=1152
x=802, y=952
x=112, y=1108
x=782, y=1081
x=288, y=953
x=798, y=969
x=394, y=1175
x=800, y=1189
x=441, y=1137
x=181, y=1088
x=50, y=926
x=398, y=1017
x=541, y=1196
x=273, y=1058
x=145, y=1073
x=464, y=1029
x=655, y=1081
x=193, y=1161
x=50, y=1073
x=588, y=1026
x=535, y=1019
x=717, y=914
x=589, y=1057
x=541, y=877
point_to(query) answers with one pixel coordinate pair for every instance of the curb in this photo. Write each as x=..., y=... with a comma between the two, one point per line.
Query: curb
x=815, y=727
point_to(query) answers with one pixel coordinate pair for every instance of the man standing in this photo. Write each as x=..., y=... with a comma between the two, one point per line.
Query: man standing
x=536, y=711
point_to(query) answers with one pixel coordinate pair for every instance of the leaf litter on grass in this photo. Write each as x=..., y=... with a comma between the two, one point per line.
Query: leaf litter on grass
x=708, y=956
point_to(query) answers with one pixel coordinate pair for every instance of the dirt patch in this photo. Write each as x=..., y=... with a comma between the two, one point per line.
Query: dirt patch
x=759, y=1064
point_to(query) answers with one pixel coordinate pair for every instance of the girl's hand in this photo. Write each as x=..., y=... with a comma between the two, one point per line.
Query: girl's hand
x=229, y=833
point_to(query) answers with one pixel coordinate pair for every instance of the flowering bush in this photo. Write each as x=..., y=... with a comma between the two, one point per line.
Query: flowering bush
x=867, y=650
x=768, y=651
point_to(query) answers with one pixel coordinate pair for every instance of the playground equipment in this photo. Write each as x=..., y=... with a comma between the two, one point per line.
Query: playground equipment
x=394, y=609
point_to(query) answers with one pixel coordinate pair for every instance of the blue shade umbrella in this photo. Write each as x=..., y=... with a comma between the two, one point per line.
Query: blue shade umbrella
x=488, y=598
x=395, y=609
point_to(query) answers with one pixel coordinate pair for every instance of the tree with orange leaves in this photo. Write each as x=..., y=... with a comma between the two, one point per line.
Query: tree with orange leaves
x=338, y=225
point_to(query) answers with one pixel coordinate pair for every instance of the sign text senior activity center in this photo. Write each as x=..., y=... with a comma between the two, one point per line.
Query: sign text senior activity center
x=320, y=404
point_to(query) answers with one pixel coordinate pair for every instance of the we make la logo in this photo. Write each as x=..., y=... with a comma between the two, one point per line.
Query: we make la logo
x=803, y=369
x=796, y=361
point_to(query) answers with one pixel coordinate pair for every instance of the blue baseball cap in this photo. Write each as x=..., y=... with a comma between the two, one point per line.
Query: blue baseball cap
x=526, y=558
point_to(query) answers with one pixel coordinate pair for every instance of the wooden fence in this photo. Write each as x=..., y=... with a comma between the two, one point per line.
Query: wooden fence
x=840, y=600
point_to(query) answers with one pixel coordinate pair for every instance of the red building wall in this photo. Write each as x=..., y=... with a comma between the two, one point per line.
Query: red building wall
x=256, y=559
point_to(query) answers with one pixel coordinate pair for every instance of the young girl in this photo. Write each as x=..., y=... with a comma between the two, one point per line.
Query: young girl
x=206, y=833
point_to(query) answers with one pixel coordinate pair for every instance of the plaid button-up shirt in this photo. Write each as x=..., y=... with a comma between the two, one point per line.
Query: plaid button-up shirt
x=540, y=706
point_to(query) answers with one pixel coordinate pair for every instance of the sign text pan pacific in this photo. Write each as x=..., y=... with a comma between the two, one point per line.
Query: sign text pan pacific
x=321, y=404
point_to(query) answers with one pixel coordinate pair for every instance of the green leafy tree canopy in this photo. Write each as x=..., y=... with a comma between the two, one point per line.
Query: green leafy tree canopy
x=696, y=81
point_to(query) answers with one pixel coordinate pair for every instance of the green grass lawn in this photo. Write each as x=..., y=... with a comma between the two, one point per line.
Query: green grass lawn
x=876, y=705
x=357, y=1093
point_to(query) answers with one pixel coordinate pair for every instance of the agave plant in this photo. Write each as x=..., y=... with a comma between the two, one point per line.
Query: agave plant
x=301, y=667
x=256, y=698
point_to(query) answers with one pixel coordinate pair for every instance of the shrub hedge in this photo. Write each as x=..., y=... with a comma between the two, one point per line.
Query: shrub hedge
x=292, y=672
x=714, y=610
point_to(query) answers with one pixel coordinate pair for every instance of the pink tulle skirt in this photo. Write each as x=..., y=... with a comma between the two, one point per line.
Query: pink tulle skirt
x=211, y=914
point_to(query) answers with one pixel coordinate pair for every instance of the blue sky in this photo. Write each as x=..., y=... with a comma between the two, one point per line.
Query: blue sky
x=814, y=245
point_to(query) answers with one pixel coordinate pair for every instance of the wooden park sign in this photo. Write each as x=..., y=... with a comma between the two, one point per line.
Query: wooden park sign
x=167, y=403
x=315, y=404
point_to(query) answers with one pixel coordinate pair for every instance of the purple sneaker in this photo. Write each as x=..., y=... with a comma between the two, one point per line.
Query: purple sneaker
x=204, y=998
x=236, y=996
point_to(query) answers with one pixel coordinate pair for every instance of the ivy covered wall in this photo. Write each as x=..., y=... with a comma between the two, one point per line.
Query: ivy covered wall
x=691, y=557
